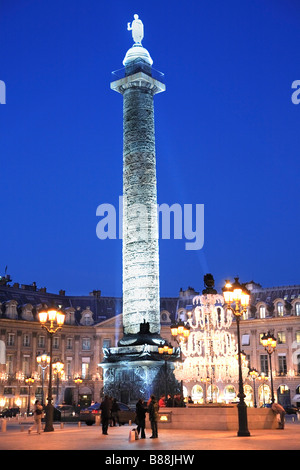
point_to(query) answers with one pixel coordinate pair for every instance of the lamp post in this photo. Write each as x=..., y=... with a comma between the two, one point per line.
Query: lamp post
x=29, y=381
x=78, y=381
x=237, y=299
x=269, y=342
x=166, y=352
x=180, y=333
x=254, y=374
x=58, y=368
x=43, y=361
x=52, y=320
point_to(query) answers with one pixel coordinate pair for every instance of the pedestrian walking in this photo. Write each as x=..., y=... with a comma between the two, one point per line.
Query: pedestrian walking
x=141, y=411
x=153, y=416
x=115, y=412
x=37, y=416
x=105, y=408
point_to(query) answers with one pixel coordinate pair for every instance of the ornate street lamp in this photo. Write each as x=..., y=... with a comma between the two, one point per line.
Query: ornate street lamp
x=254, y=374
x=237, y=299
x=29, y=381
x=269, y=342
x=58, y=368
x=78, y=381
x=52, y=320
x=180, y=331
x=43, y=361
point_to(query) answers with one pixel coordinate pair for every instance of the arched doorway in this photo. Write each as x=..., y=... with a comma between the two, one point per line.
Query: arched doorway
x=249, y=398
x=284, y=395
x=85, y=396
x=212, y=394
x=264, y=395
x=197, y=394
x=229, y=394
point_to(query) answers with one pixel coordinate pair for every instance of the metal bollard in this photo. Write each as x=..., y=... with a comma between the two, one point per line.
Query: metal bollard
x=3, y=425
x=97, y=420
x=61, y=425
x=79, y=424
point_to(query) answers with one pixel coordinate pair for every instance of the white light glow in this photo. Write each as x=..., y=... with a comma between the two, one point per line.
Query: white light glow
x=210, y=352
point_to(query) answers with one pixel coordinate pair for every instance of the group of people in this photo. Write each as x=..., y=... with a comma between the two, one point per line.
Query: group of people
x=152, y=407
x=171, y=401
x=109, y=413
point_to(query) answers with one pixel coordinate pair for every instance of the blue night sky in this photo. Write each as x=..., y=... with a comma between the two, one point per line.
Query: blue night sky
x=227, y=136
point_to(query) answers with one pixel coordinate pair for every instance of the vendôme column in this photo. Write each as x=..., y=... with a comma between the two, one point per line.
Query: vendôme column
x=141, y=298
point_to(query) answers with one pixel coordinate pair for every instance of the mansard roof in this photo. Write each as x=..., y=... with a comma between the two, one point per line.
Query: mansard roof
x=270, y=294
x=102, y=307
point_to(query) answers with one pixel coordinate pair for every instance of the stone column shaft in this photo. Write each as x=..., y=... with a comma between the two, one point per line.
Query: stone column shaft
x=141, y=298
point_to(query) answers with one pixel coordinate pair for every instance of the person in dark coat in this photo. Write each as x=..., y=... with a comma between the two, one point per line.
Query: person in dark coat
x=153, y=416
x=141, y=411
x=105, y=408
x=115, y=412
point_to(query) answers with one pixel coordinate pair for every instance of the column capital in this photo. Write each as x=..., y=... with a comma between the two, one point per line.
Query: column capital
x=140, y=80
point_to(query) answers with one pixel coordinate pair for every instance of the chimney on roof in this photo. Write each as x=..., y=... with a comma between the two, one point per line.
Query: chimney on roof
x=96, y=293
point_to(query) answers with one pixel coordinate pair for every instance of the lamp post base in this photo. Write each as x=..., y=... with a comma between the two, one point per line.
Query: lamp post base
x=243, y=421
x=49, y=418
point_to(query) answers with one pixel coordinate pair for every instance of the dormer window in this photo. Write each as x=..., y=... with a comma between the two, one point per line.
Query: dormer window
x=280, y=309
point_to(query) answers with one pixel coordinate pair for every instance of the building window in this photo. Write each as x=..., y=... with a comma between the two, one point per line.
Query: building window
x=246, y=340
x=297, y=336
x=85, y=366
x=106, y=343
x=282, y=365
x=281, y=337
x=86, y=344
x=56, y=342
x=41, y=342
x=262, y=312
x=280, y=309
x=26, y=366
x=9, y=364
x=26, y=340
x=87, y=319
x=264, y=364
x=69, y=368
x=297, y=309
x=11, y=339
x=69, y=343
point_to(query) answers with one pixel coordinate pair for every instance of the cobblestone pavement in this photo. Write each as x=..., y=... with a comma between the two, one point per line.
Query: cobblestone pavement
x=73, y=437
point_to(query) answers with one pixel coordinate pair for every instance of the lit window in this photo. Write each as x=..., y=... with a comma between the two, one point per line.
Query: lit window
x=280, y=309
x=262, y=312
x=281, y=337
x=245, y=340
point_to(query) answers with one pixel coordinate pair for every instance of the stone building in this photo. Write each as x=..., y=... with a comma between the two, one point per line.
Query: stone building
x=275, y=310
x=94, y=322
